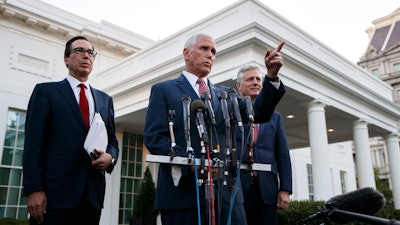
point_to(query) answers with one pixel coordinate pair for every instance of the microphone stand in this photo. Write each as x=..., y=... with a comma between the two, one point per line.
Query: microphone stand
x=186, y=100
x=347, y=215
x=209, y=194
x=251, y=156
x=232, y=166
x=203, y=141
x=234, y=157
x=237, y=170
x=251, y=152
x=209, y=184
x=171, y=115
x=361, y=217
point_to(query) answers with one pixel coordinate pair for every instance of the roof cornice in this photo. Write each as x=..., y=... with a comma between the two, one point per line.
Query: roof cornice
x=47, y=18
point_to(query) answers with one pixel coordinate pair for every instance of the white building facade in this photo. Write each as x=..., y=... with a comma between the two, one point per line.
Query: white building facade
x=324, y=91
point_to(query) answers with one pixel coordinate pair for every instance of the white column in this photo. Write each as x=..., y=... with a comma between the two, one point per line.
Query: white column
x=322, y=181
x=365, y=168
x=392, y=144
x=110, y=212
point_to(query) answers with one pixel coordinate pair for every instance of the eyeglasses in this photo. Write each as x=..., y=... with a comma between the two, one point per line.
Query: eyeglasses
x=82, y=51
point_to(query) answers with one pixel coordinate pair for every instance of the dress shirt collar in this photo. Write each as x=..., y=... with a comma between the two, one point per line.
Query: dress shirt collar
x=75, y=82
x=193, y=79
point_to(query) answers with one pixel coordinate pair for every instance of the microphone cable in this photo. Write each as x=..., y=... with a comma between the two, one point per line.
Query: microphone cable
x=244, y=143
x=211, y=192
x=196, y=177
x=186, y=100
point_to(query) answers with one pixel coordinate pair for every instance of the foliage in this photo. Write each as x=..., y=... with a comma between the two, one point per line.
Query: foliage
x=299, y=210
x=382, y=185
x=143, y=211
x=12, y=221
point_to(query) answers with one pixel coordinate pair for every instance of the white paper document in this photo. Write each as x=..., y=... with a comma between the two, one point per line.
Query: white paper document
x=96, y=137
x=176, y=174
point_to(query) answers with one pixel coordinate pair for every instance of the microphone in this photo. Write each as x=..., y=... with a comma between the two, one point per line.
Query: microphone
x=322, y=213
x=249, y=108
x=186, y=115
x=364, y=201
x=222, y=96
x=230, y=150
x=171, y=115
x=206, y=97
x=199, y=108
x=233, y=97
x=352, y=205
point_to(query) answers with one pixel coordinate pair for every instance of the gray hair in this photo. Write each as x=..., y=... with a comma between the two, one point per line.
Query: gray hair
x=246, y=68
x=191, y=41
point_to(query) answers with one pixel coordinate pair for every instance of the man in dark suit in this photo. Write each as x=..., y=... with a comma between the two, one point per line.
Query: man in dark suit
x=177, y=201
x=63, y=184
x=264, y=191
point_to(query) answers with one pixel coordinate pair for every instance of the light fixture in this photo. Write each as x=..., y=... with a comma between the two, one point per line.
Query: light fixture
x=290, y=116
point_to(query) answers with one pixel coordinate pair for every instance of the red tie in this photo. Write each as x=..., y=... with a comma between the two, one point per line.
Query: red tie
x=202, y=86
x=255, y=133
x=84, y=105
x=255, y=136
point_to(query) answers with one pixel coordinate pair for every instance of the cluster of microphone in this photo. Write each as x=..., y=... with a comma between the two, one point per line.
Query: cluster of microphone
x=357, y=205
x=206, y=123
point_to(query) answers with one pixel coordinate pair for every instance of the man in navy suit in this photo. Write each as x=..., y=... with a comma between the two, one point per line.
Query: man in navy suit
x=264, y=191
x=177, y=201
x=63, y=184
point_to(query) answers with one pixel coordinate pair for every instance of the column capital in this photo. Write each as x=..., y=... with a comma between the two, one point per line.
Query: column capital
x=360, y=123
x=392, y=136
x=317, y=105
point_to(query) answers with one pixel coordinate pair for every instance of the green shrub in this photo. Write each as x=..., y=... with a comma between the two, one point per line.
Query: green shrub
x=11, y=221
x=143, y=212
x=299, y=210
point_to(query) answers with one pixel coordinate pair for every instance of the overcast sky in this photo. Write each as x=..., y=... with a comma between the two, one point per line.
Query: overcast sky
x=339, y=24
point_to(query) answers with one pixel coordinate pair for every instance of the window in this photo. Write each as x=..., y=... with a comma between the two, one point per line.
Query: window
x=12, y=202
x=382, y=157
x=310, y=183
x=397, y=95
x=343, y=181
x=396, y=67
x=376, y=73
x=372, y=54
x=131, y=174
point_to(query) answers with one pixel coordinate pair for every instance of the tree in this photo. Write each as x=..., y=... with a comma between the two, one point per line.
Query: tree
x=382, y=185
x=143, y=209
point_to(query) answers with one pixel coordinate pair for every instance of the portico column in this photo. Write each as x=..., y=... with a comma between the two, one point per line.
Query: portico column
x=322, y=181
x=392, y=144
x=364, y=167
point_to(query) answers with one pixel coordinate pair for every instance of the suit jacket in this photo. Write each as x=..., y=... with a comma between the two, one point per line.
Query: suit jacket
x=167, y=96
x=271, y=147
x=54, y=159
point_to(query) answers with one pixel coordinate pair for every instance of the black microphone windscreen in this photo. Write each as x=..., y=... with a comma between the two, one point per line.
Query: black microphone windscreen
x=249, y=108
x=233, y=97
x=197, y=104
x=366, y=201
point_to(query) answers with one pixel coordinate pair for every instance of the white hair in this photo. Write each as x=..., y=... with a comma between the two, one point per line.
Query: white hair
x=245, y=68
x=191, y=41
